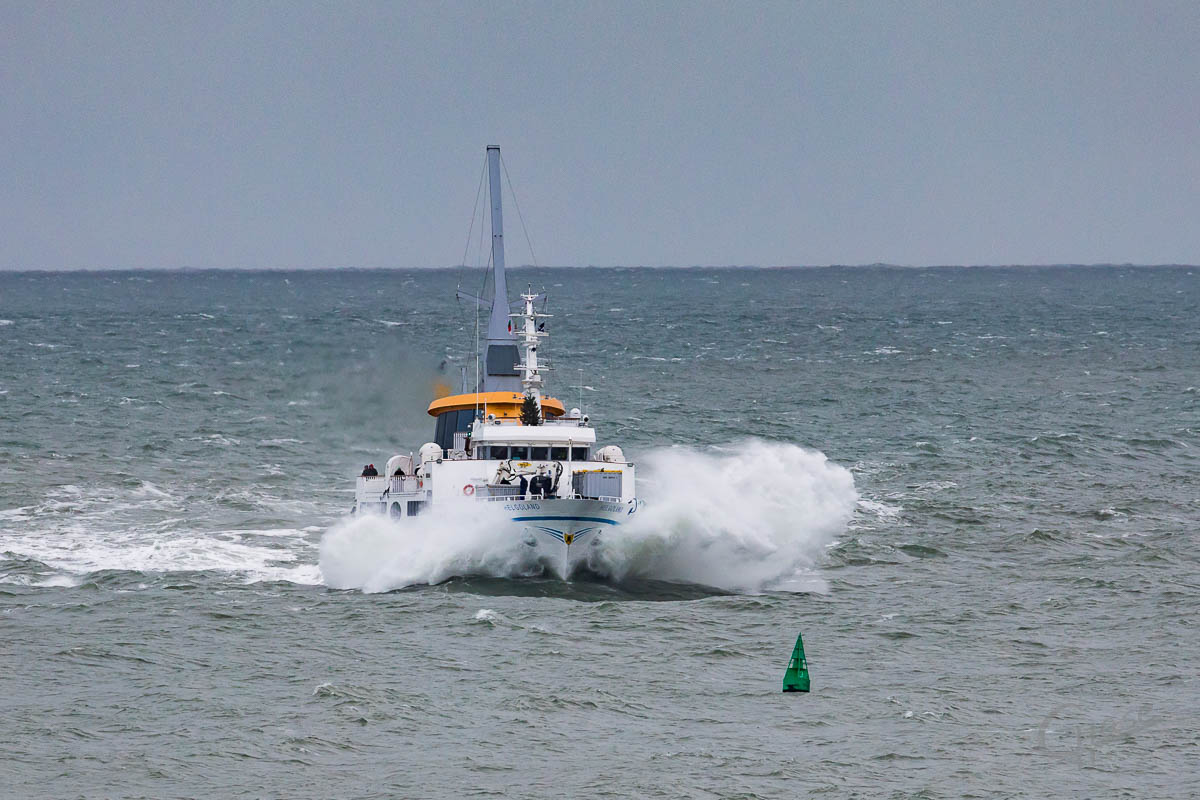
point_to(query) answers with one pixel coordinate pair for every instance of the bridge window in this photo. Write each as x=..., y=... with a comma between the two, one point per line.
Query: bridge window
x=539, y=453
x=579, y=454
x=500, y=451
x=558, y=454
x=450, y=423
x=519, y=453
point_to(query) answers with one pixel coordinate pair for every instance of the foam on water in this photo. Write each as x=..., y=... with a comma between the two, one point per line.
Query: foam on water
x=144, y=528
x=747, y=517
x=79, y=550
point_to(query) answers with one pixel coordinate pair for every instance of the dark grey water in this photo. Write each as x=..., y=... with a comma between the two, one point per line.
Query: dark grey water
x=1002, y=604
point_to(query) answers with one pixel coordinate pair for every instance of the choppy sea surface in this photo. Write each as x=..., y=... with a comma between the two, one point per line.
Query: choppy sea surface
x=976, y=493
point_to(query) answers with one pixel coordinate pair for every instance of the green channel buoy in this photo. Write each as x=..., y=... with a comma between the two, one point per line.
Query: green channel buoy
x=796, y=677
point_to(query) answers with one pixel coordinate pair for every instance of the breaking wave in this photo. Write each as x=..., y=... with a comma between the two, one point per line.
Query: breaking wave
x=748, y=517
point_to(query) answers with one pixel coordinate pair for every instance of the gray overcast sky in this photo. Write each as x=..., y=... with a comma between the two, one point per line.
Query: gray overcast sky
x=287, y=135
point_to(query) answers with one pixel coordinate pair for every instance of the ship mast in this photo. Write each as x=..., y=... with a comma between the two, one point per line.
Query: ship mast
x=501, y=354
x=531, y=371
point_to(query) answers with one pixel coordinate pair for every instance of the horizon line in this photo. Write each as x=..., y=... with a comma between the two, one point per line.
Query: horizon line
x=444, y=268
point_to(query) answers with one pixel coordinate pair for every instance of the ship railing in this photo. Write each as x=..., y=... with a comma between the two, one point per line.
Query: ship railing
x=499, y=498
x=496, y=498
x=405, y=485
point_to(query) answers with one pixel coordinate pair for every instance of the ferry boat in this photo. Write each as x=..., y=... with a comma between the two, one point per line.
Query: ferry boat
x=506, y=449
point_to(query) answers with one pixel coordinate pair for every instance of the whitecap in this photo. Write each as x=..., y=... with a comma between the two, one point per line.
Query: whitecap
x=880, y=509
x=148, y=489
x=58, y=581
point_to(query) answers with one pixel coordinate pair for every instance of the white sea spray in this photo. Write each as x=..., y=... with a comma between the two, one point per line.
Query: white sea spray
x=747, y=517
x=376, y=554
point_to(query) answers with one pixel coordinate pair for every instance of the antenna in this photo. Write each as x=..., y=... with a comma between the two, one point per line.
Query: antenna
x=477, y=362
x=531, y=370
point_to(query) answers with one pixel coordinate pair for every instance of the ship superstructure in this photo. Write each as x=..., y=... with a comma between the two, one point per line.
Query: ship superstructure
x=508, y=443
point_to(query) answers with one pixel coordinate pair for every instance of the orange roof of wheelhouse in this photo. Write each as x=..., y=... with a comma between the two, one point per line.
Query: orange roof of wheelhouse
x=505, y=405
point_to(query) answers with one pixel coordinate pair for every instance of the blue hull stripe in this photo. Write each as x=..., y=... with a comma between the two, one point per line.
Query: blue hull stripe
x=565, y=519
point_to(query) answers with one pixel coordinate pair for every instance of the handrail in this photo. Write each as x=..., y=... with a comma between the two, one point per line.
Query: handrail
x=529, y=496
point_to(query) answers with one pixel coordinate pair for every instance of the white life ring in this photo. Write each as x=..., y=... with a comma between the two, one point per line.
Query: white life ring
x=468, y=490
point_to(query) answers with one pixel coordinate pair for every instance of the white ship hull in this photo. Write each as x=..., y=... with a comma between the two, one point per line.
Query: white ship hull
x=565, y=532
x=561, y=531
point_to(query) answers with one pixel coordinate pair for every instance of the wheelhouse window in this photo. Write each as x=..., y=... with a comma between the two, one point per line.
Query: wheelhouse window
x=519, y=453
x=539, y=453
x=499, y=451
x=558, y=454
x=579, y=454
x=450, y=423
